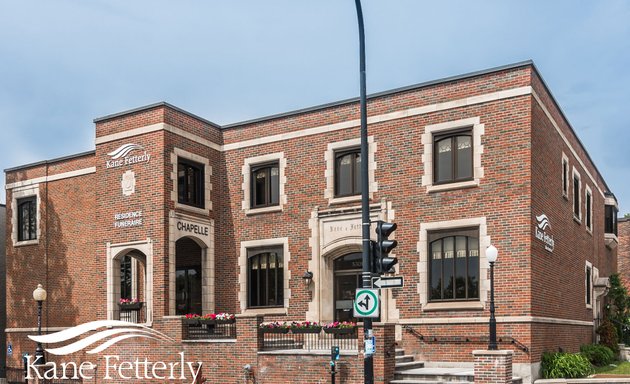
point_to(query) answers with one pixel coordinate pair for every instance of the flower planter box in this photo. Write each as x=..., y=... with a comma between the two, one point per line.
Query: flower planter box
x=340, y=331
x=274, y=330
x=130, y=306
x=207, y=321
x=190, y=321
x=226, y=321
x=306, y=330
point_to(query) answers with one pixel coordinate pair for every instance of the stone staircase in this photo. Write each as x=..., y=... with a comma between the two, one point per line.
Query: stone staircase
x=409, y=371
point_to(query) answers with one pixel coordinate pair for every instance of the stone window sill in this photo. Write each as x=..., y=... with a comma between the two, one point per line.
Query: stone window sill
x=451, y=186
x=257, y=211
x=265, y=311
x=348, y=199
x=26, y=242
x=453, y=306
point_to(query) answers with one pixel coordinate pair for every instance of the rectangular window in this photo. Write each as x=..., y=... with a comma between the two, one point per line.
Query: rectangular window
x=565, y=177
x=190, y=183
x=588, y=284
x=454, y=265
x=27, y=218
x=348, y=172
x=611, y=219
x=576, y=196
x=265, y=185
x=265, y=278
x=587, y=216
x=453, y=157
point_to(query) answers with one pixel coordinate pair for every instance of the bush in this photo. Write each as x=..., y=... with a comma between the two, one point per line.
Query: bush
x=608, y=336
x=598, y=354
x=558, y=365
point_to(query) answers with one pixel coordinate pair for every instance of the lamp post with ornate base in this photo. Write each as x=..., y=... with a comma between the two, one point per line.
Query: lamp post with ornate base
x=39, y=294
x=491, y=254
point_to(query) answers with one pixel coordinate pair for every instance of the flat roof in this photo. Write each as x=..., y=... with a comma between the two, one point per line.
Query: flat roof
x=55, y=160
x=151, y=106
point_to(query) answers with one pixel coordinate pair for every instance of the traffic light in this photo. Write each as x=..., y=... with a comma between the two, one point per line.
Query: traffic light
x=383, y=246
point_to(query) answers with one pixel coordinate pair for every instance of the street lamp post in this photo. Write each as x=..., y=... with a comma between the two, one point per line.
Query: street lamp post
x=39, y=294
x=492, y=253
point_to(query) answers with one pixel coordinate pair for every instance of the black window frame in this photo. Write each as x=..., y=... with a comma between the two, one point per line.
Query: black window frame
x=355, y=187
x=267, y=168
x=588, y=206
x=29, y=203
x=260, y=291
x=468, y=233
x=576, y=196
x=589, y=285
x=453, y=135
x=193, y=196
x=126, y=278
x=565, y=177
x=610, y=219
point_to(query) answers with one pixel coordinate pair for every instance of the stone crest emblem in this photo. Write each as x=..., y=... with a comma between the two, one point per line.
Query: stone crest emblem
x=128, y=183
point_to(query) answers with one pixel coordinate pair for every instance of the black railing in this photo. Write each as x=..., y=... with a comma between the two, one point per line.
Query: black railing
x=200, y=330
x=132, y=314
x=322, y=341
x=464, y=339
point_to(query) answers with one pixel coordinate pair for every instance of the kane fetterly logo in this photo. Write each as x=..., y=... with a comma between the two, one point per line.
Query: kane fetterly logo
x=540, y=231
x=121, y=156
x=108, y=333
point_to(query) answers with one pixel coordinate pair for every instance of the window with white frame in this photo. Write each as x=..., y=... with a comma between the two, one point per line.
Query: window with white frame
x=25, y=216
x=452, y=154
x=565, y=176
x=577, y=195
x=264, y=183
x=343, y=170
x=191, y=181
x=588, y=285
x=588, y=211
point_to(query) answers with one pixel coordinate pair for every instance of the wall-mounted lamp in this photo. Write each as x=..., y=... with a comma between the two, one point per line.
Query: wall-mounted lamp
x=308, y=277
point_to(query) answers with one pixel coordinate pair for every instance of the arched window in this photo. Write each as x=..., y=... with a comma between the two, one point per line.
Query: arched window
x=453, y=157
x=454, y=265
x=265, y=278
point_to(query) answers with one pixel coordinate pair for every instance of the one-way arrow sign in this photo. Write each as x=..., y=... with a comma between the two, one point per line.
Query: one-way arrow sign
x=388, y=282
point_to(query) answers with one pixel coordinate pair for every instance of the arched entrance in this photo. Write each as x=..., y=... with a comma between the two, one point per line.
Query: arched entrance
x=347, y=278
x=188, y=277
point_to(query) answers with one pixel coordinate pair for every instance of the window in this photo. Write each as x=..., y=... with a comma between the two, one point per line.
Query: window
x=454, y=265
x=565, y=176
x=453, y=157
x=125, y=278
x=265, y=282
x=577, y=187
x=27, y=218
x=589, y=211
x=348, y=172
x=588, y=284
x=190, y=183
x=265, y=185
x=611, y=219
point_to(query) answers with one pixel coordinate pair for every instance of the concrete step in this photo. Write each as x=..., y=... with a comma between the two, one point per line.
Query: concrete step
x=404, y=359
x=439, y=375
x=409, y=365
x=400, y=352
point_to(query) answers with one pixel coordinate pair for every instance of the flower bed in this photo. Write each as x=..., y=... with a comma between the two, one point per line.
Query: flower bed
x=345, y=327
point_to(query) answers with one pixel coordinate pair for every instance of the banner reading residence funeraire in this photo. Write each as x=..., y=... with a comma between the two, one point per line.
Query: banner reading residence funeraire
x=139, y=369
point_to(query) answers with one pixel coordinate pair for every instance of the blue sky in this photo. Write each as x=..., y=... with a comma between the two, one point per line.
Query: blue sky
x=65, y=62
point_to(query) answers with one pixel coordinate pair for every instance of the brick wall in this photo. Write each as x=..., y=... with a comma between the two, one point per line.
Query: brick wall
x=623, y=251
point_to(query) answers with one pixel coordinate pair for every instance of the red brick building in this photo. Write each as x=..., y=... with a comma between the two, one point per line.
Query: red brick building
x=188, y=216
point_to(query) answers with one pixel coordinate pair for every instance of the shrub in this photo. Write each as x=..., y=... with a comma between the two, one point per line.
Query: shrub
x=608, y=336
x=560, y=365
x=598, y=354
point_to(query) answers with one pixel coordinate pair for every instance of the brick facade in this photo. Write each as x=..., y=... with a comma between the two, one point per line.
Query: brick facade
x=519, y=138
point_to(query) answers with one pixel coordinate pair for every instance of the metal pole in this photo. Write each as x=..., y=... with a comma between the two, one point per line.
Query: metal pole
x=368, y=363
x=492, y=345
x=39, y=351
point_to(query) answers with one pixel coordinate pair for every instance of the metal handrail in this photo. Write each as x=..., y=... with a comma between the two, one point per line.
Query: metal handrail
x=470, y=339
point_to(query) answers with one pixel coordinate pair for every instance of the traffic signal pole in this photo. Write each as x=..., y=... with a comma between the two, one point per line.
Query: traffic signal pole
x=368, y=364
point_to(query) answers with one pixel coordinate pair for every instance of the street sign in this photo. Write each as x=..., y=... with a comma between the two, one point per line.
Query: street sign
x=388, y=282
x=366, y=303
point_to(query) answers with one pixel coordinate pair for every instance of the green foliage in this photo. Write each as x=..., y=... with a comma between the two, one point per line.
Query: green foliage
x=598, y=354
x=558, y=365
x=608, y=336
x=618, y=308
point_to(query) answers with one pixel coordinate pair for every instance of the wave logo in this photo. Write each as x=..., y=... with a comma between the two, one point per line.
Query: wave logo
x=543, y=222
x=114, y=332
x=124, y=150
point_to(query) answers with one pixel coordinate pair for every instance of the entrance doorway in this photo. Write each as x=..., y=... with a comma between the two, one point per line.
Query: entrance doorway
x=188, y=277
x=347, y=272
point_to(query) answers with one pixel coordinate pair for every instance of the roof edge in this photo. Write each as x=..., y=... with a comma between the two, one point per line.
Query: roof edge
x=55, y=160
x=383, y=93
x=151, y=106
